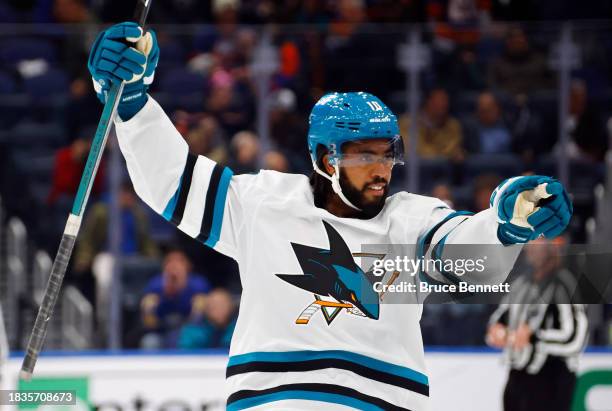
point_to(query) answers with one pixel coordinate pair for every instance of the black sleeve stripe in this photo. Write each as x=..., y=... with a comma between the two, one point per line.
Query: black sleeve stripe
x=177, y=215
x=425, y=241
x=209, y=207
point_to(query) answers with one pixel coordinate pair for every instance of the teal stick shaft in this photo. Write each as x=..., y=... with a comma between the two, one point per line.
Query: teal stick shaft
x=97, y=149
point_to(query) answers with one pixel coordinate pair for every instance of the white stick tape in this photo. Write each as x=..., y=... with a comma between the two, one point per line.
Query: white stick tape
x=72, y=225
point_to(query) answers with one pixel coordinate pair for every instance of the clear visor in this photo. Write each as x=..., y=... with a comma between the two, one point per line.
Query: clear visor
x=388, y=152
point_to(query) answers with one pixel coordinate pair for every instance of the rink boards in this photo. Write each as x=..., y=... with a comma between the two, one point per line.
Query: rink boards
x=460, y=380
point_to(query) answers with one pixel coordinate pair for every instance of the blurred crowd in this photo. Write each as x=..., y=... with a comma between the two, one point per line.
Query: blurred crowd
x=489, y=109
x=305, y=11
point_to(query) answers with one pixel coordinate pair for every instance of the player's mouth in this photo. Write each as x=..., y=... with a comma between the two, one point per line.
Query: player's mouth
x=377, y=189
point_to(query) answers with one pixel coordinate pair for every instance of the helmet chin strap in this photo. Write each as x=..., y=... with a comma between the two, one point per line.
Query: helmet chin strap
x=335, y=183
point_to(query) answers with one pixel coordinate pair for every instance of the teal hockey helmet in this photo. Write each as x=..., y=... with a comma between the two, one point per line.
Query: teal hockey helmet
x=338, y=118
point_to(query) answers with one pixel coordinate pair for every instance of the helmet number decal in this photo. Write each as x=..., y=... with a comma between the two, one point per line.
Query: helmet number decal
x=374, y=105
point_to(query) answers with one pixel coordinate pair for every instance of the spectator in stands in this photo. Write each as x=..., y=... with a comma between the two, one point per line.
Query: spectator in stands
x=206, y=139
x=171, y=299
x=520, y=69
x=488, y=133
x=53, y=11
x=287, y=128
x=350, y=14
x=585, y=126
x=180, y=12
x=135, y=237
x=350, y=44
x=229, y=102
x=484, y=185
x=461, y=70
x=68, y=169
x=456, y=21
x=71, y=11
x=313, y=12
x=439, y=134
x=530, y=139
x=444, y=193
x=82, y=111
x=275, y=160
x=215, y=329
x=245, y=152
x=289, y=67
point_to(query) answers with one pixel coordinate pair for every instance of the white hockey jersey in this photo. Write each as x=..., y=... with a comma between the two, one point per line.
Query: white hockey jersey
x=297, y=345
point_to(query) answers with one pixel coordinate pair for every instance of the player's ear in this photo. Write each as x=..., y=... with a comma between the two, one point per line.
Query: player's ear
x=329, y=169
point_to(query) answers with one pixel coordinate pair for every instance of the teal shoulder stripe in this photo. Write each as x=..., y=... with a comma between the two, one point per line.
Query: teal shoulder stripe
x=426, y=239
x=302, y=395
x=291, y=356
x=215, y=231
x=437, y=255
x=169, y=210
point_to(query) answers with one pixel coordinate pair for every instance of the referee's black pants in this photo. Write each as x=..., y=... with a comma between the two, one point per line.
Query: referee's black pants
x=550, y=389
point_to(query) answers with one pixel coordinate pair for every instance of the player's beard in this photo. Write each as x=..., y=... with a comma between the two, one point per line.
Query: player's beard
x=356, y=196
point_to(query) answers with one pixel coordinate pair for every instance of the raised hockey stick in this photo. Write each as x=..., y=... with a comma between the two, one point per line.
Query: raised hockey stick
x=58, y=270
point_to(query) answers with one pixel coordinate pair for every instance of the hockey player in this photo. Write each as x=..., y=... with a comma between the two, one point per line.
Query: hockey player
x=294, y=240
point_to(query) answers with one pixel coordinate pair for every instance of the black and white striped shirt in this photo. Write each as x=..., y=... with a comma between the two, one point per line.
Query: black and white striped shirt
x=559, y=328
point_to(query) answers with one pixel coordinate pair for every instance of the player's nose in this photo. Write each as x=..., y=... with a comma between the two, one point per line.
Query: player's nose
x=380, y=170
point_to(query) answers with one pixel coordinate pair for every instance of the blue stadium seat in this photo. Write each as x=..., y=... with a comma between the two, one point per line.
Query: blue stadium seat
x=174, y=53
x=30, y=134
x=13, y=108
x=434, y=171
x=174, y=58
x=547, y=166
x=135, y=275
x=397, y=102
x=181, y=81
x=36, y=166
x=192, y=102
x=54, y=82
x=7, y=15
x=503, y=165
x=546, y=103
x=160, y=230
x=465, y=104
x=488, y=48
x=584, y=176
x=8, y=84
x=463, y=196
x=18, y=49
x=204, y=40
x=398, y=179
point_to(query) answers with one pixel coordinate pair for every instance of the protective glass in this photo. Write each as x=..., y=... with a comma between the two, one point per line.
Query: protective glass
x=363, y=153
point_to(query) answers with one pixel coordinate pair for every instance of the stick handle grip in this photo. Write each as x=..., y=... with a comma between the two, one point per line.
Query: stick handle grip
x=141, y=12
x=37, y=338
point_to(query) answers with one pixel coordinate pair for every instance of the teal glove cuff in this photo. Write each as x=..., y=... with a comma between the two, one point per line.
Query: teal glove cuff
x=134, y=98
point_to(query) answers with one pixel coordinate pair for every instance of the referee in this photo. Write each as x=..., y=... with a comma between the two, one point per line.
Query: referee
x=541, y=332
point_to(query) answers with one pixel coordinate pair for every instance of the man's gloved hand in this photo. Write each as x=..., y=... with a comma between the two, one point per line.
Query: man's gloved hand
x=530, y=206
x=111, y=60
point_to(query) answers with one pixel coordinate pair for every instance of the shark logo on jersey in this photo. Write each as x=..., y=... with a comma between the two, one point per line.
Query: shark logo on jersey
x=335, y=280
